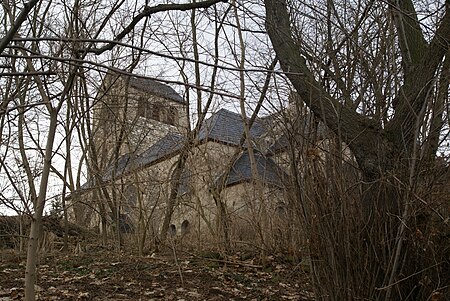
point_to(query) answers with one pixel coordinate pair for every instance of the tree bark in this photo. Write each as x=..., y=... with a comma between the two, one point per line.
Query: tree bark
x=36, y=222
x=377, y=150
x=173, y=194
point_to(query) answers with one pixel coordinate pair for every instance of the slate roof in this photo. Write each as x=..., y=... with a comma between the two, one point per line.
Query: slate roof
x=227, y=127
x=162, y=149
x=268, y=171
x=117, y=169
x=156, y=88
x=224, y=127
x=168, y=146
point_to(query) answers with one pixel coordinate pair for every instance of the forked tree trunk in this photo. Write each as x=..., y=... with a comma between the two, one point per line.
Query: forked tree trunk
x=385, y=155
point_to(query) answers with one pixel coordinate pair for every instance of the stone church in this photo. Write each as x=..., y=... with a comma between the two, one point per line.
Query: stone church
x=224, y=188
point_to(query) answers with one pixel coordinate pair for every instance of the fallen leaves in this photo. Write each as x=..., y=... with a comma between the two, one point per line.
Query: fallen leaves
x=110, y=276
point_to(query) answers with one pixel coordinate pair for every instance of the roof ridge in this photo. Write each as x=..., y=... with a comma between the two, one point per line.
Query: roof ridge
x=234, y=113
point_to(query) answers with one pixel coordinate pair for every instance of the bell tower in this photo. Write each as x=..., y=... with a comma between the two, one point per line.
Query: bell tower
x=130, y=114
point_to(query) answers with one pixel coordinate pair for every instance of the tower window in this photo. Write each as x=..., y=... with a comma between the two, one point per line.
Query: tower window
x=171, y=115
x=157, y=111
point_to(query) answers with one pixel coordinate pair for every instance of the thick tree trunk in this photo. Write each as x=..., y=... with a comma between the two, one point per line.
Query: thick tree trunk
x=378, y=151
x=386, y=156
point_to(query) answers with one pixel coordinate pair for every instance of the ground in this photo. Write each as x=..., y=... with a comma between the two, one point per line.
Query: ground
x=106, y=275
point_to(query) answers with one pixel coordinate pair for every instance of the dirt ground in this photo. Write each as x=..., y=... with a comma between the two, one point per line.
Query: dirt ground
x=109, y=276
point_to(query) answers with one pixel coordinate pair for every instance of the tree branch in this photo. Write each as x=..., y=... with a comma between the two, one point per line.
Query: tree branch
x=418, y=81
x=148, y=11
x=30, y=73
x=410, y=35
x=15, y=27
x=351, y=126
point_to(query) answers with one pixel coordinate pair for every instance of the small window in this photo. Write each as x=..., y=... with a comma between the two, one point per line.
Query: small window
x=185, y=227
x=149, y=110
x=142, y=107
x=281, y=209
x=172, y=230
x=155, y=112
x=172, y=116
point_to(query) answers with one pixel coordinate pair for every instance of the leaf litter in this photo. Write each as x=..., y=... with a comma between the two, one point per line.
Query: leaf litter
x=111, y=276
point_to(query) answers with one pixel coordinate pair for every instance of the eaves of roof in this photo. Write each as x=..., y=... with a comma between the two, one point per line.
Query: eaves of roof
x=168, y=147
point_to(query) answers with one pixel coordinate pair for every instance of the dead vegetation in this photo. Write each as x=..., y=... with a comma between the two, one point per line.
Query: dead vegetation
x=110, y=276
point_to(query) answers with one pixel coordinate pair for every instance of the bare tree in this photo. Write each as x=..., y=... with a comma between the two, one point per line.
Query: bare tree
x=30, y=45
x=384, y=135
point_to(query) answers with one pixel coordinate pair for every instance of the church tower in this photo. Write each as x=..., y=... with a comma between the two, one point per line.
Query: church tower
x=130, y=114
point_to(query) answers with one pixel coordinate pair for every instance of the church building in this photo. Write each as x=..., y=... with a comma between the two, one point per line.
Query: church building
x=148, y=177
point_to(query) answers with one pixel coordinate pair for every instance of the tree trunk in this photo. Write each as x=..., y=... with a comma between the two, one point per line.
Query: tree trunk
x=39, y=203
x=386, y=156
x=173, y=195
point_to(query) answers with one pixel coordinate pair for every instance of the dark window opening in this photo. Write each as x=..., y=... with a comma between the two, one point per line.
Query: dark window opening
x=281, y=209
x=172, y=116
x=142, y=107
x=172, y=230
x=185, y=227
x=157, y=111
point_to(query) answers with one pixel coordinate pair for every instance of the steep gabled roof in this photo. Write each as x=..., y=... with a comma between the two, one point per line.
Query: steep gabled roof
x=167, y=147
x=156, y=88
x=227, y=127
x=268, y=171
x=223, y=127
x=117, y=169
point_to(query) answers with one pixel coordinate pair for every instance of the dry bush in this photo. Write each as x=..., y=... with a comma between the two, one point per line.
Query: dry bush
x=353, y=252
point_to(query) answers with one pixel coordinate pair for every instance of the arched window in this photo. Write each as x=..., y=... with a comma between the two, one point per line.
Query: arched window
x=185, y=227
x=172, y=115
x=155, y=112
x=281, y=209
x=172, y=230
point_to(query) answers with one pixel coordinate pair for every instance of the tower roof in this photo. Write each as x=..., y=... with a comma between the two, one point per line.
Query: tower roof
x=156, y=88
